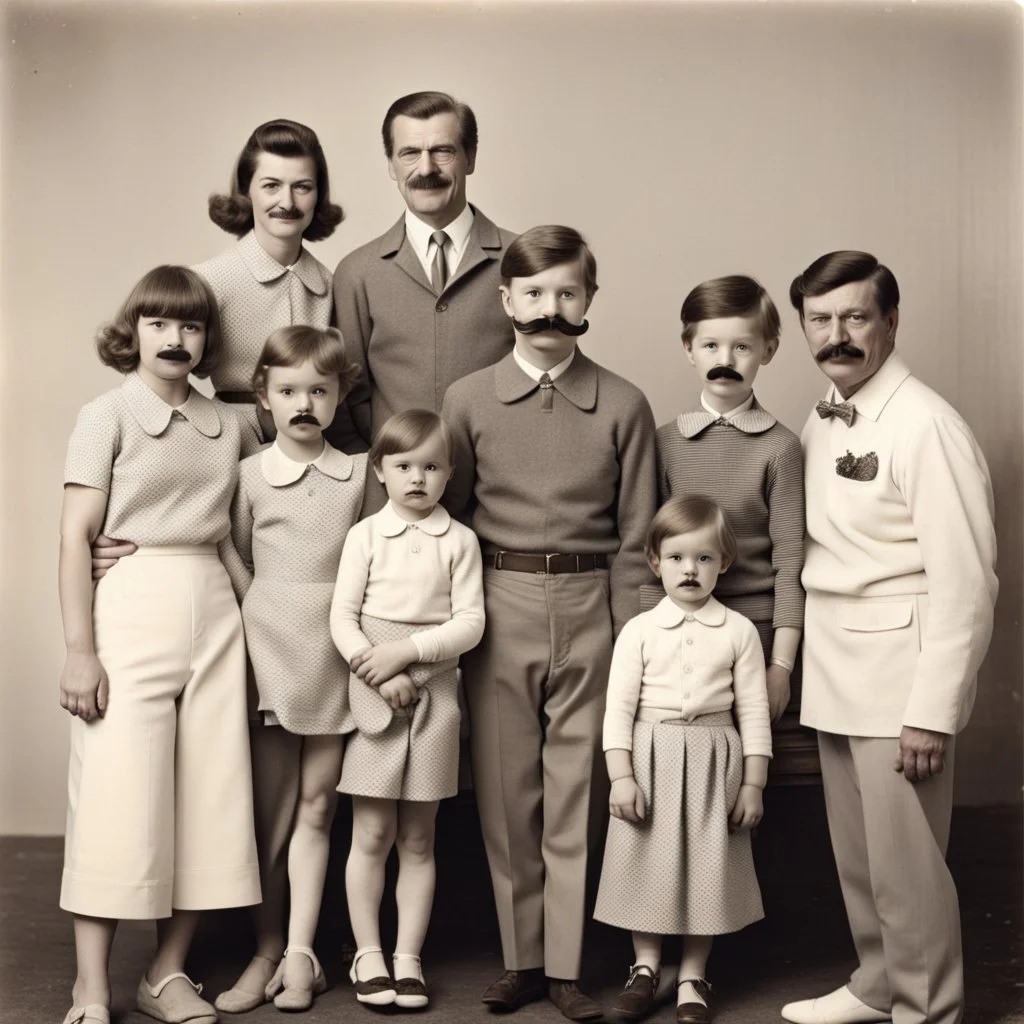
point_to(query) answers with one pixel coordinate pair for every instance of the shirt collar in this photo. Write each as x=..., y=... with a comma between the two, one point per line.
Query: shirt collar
x=577, y=383
x=742, y=407
x=419, y=234
x=535, y=373
x=153, y=413
x=750, y=419
x=391, y=524
x=279, y=470
x=264, y=268
x=873, y=396
x=667, y=614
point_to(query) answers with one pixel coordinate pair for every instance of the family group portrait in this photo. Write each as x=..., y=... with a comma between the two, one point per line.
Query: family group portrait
x=512, y=511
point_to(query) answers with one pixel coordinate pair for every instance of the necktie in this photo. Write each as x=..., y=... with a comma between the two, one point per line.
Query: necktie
x=439, y=268
x=844, y=411
x=546, y=398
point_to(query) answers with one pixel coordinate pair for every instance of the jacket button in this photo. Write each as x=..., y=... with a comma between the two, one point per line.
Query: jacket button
x=441, y=307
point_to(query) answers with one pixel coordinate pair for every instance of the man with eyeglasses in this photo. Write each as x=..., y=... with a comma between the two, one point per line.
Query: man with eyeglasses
x=419, y=306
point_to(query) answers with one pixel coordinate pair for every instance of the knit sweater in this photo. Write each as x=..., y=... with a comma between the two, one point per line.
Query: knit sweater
x=578, y=479
x=752, y=466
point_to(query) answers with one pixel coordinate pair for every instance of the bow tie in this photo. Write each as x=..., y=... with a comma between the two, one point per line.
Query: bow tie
x=844, y=411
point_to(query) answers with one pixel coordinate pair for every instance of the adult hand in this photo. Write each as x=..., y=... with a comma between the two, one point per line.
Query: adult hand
x=83, y=686
x=921, y=754
x=777, y=679
x=627, y=799
x=748, y=809
x=399, y=691
x=105, y=553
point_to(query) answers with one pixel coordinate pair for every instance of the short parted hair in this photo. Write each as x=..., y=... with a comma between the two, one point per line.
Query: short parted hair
x=299, y=343
x=683, y=515
x=233, y=212
x=734, y=295
x=835, y=269
x=546, y=246
x=166, y=291
x=424, y=105
x=408, y=430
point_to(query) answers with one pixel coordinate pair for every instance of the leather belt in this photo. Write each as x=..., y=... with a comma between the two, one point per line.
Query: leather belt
x=237, y=397
x=548, y=565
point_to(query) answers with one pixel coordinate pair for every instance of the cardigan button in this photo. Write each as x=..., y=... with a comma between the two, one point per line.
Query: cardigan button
x=441, y=307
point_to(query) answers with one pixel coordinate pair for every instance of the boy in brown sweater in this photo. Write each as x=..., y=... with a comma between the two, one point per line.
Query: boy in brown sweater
x=555, y=471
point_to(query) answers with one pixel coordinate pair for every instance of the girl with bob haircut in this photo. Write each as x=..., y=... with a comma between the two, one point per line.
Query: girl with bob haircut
x=295, y=503
x=686, y=781
x=160, y=817
x=408, y=602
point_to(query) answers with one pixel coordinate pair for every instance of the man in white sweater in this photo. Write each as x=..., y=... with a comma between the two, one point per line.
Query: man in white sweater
x=900, y=581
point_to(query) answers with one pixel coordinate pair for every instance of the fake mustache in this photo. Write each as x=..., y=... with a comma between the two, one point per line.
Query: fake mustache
x=551, y=323
x=304, y=417
x=174, y=355
x=844, y=348
x=286, y=215
x=433, y=180
x=717, y=372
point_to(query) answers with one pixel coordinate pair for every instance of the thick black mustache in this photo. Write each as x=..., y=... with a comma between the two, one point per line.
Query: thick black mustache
x=175, y=355
x=304, y=417
x=550, y=323
x=287, y=215
x=716, y=372
x=844, y=348
x=432, y=180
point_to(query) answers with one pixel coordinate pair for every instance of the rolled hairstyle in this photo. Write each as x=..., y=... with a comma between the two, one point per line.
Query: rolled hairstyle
x=166, y=291
x=684, y=515
x=233, y=212
x=734, y=295
x=844, y=266
x=294, y=345
x=546, y=246
x=424, y=105
x=408, y=430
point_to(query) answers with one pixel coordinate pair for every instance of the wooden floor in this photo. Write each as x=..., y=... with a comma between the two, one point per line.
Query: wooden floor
x=802, y=948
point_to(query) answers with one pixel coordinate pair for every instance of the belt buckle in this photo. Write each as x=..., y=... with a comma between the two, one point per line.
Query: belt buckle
x=498, y=559
x=547, y=565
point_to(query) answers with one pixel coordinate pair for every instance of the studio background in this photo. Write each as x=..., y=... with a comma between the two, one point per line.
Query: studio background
x=685, y=141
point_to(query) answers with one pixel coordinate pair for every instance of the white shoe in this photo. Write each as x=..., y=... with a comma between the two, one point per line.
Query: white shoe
x=839, y=1007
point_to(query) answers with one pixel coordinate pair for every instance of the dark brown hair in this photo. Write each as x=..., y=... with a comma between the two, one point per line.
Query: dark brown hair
x=844, y=266
x=683, y=515
x=424, y=105
x=233, y=212
x=408, y=430
x=547, y=246
x=734, y=295
x=174, y=292
x=294, y=345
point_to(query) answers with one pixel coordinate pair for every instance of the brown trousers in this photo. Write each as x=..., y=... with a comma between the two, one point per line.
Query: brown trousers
x=535, y=687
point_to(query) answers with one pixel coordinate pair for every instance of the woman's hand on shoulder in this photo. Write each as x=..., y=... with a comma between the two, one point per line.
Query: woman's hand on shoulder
x=627, y=800
x=748, y=809
x=84, y=686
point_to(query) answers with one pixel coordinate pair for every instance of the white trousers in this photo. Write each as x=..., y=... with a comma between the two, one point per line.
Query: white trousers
x=160, y=809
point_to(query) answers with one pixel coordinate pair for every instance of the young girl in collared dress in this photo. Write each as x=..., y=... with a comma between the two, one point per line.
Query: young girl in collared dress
x=160, y=820
x=295, y=503
x=408, y=602
x=686, y=785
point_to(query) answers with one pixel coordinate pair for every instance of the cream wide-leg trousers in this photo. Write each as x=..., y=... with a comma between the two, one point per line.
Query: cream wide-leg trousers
x=160, y=809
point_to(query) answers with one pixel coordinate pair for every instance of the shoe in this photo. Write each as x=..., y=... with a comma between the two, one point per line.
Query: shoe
x=96, y=1013
x=242, y=1000
x=692, y=1012
x=637, y=998
x=379, y=991
x=174, y=1007
x=838, y=1007
x=296, y=999
x=514, y=989
x=411, y=993
x=574, y=1004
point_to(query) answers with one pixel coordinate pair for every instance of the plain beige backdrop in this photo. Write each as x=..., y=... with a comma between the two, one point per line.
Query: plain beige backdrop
x=685, y=141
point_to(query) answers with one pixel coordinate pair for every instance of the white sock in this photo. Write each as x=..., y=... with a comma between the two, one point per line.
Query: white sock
x=687, y=993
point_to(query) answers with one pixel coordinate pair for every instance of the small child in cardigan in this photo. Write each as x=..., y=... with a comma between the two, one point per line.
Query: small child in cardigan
x=408, y=602
x=735, y=451
x=295, y=502
x=686, y=785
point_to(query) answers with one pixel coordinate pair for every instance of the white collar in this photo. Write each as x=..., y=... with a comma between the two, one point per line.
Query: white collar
x=419, y=234
x=279, y=470
x=534, y=373
x=667, y=614
x=742, y=407
x=264, y=268
x=153, y=413
x=391, y=524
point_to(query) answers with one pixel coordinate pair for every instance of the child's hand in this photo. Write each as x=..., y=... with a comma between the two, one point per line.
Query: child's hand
x=778, y=691
x=384, y=661
x=83, y=686
x=748, y=810
x=627, y=800
x=399, y=691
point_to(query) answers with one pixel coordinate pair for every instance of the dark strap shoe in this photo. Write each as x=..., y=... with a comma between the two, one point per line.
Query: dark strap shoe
x=695, y=1013
x=514, y=989
x=573, y=1004
x=637, y=998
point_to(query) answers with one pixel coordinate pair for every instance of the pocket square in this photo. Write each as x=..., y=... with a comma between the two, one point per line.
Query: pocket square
x=857, y=467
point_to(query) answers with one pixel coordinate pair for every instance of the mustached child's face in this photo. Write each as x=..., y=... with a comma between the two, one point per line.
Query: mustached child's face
x=169, y=348
x=301, y=399
x=735, y=343
x=689, y=565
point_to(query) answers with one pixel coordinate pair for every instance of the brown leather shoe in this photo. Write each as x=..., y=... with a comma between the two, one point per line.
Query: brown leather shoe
x=637, y=998
x=514, y=989
x=574, y=1004
x=695, y=1013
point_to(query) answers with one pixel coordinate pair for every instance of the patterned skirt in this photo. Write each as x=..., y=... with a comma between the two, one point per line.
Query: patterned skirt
x=680, y=871
x=411, y=753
